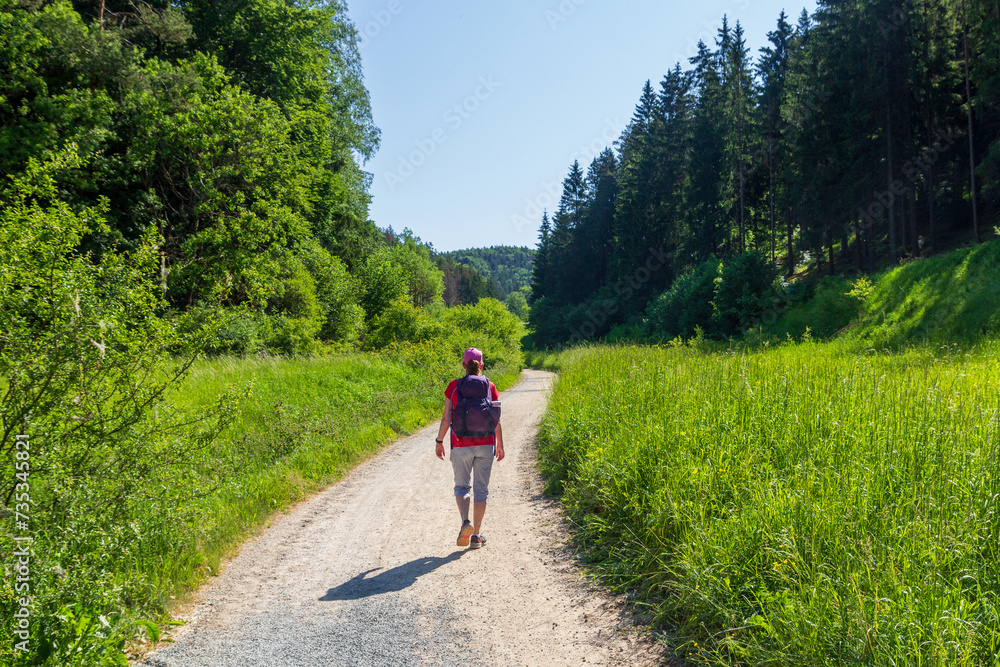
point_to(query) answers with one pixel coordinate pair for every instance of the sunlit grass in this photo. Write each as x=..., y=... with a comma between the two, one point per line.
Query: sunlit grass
x=801, y=506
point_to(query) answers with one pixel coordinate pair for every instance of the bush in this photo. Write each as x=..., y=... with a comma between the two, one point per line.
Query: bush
x=488, y=317
x=402, y=322
x=632, y=332
x=88, y=365
x=489, y=326
x=243, y=331
x=295, y=310
x=745, y=289
x=687, y=305
x=383, y=281
x=339, y=294
x=591, y=318
x=517, y=304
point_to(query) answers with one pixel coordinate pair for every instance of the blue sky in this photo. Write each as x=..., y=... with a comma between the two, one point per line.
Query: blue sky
x=483, y=106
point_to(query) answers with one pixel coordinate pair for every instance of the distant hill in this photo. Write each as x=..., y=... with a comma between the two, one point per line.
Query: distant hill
x=508, y=267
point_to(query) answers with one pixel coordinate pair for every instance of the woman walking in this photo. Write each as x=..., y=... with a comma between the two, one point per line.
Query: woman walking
x=476, y=438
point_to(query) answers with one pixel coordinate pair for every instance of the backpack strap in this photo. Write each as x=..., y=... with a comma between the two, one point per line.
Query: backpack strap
x=455, y=396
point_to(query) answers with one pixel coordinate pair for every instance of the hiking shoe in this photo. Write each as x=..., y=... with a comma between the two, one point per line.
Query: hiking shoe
x=463, y=535
x=477, y=541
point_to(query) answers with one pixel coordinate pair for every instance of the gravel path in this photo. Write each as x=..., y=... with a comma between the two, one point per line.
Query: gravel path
x=367, y=573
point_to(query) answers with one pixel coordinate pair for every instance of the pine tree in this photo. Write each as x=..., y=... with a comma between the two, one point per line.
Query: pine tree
x=706, y=220
x=673, y=167
x=563, y=251
x=540, y=272
x=636, y=195
x=739, y=94
x=851, y=140
x=595, y=231
x=773, y=71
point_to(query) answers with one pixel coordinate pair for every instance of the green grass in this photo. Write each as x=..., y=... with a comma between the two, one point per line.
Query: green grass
x=796, y=506
x=546, y=360
x=950, y=298
x=945, y=299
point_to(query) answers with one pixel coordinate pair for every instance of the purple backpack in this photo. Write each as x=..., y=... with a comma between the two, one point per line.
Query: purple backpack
x=474, y=415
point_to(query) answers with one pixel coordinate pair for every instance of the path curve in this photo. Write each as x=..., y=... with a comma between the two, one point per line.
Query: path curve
x=367, y=573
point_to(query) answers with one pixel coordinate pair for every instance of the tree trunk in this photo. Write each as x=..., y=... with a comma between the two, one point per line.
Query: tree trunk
x=929, y=92
x=845, y=242
x=770, y=189
x=791, y=250
x=890, y=212
x=902, y=231
x=908, y=214
x=931, y=223
x=859, y=245
x=743, y=247
x=972, y=151
x=868, y=252
x=829, y=240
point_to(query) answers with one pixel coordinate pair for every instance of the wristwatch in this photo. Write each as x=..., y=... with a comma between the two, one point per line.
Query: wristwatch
x=440, y=442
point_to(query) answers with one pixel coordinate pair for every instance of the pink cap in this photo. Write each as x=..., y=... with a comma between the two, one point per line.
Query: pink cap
x=472, y=354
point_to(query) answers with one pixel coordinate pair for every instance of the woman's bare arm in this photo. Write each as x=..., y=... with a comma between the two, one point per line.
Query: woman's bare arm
x=500, y=452
x=443, y=428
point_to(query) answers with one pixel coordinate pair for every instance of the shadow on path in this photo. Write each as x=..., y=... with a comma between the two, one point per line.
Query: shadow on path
x=390, y=581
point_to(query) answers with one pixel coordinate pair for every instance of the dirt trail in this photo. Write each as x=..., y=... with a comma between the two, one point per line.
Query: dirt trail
x=367, y=573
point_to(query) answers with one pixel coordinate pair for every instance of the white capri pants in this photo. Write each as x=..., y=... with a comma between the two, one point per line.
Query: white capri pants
x=465, y=461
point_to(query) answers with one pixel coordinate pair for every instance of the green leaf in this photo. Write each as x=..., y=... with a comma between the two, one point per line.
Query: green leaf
x=152, y=630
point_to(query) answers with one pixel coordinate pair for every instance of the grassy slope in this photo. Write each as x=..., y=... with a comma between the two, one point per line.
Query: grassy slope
x=951, y=298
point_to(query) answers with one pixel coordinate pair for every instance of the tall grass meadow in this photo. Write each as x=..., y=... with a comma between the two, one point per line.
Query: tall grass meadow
x=804, y=505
